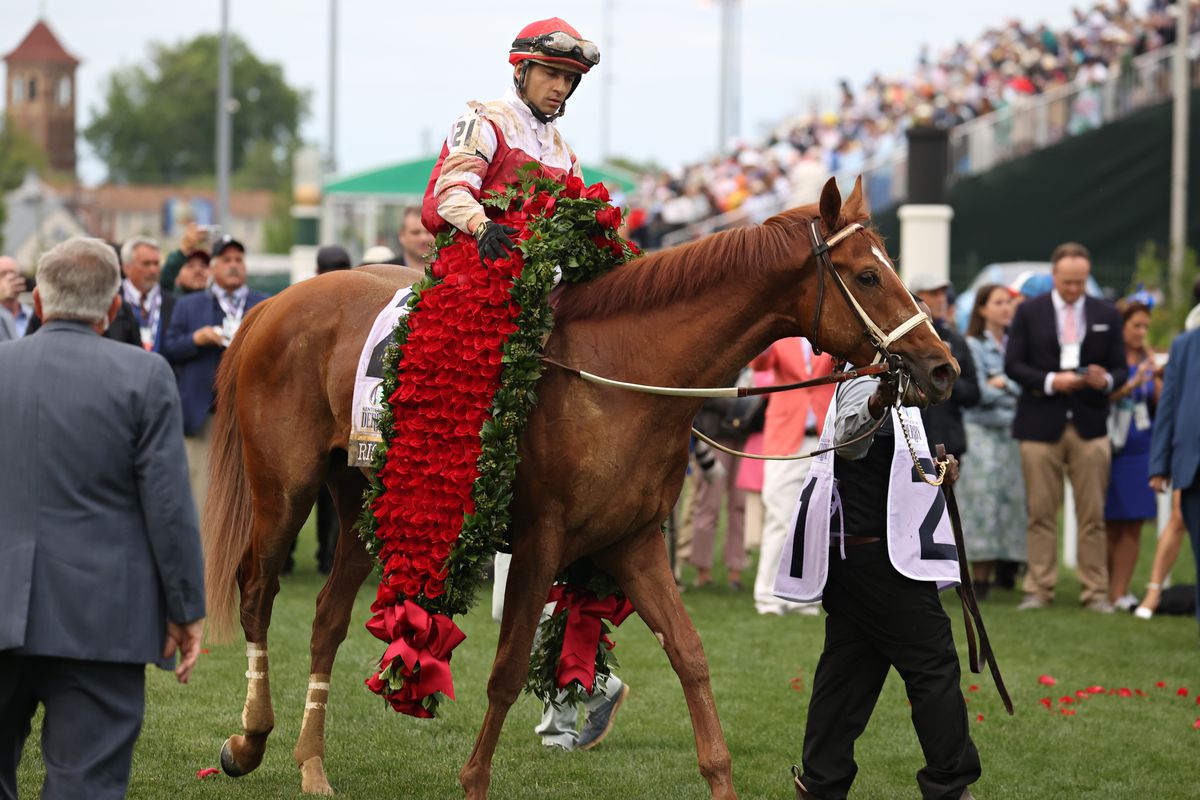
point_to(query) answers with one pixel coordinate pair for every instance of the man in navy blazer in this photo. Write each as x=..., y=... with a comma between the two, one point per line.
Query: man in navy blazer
x=202, y=326
x=1175, y=448
x=100, y=564
x=1068, y=353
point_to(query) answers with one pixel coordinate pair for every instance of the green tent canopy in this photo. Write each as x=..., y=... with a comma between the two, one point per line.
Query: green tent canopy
x=409, y=178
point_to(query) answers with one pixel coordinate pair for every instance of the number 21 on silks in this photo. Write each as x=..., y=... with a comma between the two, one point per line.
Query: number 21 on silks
x=464, y=133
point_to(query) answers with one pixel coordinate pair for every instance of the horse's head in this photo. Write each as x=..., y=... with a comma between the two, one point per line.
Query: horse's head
x=869, y=309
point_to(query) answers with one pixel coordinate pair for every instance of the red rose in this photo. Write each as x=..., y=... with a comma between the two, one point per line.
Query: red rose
x=574, y=187
x=596, y=191
x=609, y=217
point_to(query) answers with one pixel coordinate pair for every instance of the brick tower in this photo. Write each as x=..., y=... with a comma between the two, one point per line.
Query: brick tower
x=39, y=95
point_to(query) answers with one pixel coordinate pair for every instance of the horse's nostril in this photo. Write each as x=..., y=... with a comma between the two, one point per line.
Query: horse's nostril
x=942, y=376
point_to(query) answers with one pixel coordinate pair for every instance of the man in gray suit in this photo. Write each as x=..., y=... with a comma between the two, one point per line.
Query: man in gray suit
x=11, y=284
x=100, y=563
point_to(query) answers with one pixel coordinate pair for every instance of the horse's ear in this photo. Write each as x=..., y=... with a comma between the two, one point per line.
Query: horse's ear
x=856, y=204
x=831, y=205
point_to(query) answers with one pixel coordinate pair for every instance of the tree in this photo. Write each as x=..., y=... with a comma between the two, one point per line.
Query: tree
x=158, y=123
x=18, y=154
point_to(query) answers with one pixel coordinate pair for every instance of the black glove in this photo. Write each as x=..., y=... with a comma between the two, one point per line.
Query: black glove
x=493, y=240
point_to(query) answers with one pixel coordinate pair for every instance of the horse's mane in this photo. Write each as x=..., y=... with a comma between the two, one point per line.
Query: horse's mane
x=659, y=279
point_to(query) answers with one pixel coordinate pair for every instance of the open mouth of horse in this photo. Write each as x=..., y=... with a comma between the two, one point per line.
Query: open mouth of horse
x=940, y=380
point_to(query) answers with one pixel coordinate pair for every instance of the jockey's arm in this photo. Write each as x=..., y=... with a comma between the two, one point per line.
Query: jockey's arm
x=470, y=146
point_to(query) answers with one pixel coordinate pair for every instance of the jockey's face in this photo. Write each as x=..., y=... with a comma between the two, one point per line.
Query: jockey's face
x=546, y=88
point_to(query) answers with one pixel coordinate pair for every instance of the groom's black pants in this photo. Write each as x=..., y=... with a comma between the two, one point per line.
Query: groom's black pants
x=879, y=619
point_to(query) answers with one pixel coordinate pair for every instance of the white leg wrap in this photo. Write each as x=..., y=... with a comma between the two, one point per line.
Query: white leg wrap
x=256, y=675
x=316, y=699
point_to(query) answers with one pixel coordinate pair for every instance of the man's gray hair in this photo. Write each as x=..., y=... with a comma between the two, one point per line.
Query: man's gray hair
x=78, y=280
x=133, y=244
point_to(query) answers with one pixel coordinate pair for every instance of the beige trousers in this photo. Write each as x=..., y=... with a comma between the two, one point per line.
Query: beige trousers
x=197, y=446
x=1086, y=463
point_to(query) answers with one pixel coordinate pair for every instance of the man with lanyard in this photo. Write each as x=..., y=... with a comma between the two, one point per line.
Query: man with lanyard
x=483, y=151
x=202, y=326
x=146, y=311
x=873, y=541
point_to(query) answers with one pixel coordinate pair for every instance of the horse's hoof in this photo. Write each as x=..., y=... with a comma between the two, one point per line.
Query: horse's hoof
x=312, y=777
x=227, y=762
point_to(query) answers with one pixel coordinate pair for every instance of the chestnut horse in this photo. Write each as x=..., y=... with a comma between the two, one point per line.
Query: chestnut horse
x=600, y=468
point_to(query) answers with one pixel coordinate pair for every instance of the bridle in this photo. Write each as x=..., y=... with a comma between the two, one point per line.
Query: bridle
x=875, y=335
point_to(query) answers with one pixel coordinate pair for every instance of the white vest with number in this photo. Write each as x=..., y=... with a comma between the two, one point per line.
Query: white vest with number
x=919, y=538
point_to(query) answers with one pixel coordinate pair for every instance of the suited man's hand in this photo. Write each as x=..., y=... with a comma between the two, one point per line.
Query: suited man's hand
x=1067, y=382
x=11, y=286
x=185, y=638
x=209, y=335
x=1160, y=483
x=1096, y=377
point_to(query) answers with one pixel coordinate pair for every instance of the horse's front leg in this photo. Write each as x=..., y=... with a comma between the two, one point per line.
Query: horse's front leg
x=534, y=566
x=643, y=570
x=334, y=605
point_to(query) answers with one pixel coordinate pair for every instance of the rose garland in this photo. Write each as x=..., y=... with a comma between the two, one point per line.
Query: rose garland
x=436, y=509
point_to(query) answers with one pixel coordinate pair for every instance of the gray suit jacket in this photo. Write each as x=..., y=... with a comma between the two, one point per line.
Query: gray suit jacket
x=98, y=539
x=8, y=326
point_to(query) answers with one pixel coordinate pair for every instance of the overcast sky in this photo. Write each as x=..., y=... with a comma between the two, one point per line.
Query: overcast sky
x=405, y=69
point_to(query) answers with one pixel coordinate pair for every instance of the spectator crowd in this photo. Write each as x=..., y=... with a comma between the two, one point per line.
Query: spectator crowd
x=866, y=127
x=1054, y=385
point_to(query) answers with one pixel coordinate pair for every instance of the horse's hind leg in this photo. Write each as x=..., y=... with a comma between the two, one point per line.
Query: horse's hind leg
x=534, y=565
x=351, y=564
x=642, y=568
x=282, y=501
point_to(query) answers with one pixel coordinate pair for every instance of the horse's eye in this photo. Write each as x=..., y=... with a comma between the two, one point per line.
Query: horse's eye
x=869, y=278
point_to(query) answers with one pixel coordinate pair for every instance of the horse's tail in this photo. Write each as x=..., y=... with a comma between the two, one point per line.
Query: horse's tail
x=228, y=518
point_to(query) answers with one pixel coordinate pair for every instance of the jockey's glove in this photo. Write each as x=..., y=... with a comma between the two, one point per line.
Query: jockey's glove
x=494, y=241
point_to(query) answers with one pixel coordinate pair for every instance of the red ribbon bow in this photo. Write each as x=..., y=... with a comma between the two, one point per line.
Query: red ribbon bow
x=585, y=614
x=423, y=642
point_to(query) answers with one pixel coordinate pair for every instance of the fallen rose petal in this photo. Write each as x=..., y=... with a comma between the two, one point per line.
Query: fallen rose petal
x=205, y=773
x=1140, y=693
x=1067, y=712
x=1181, y=691
x=1081, y=694
x=204, y=651
x=1046, y=701
x=1095, y=690
x=1198, y=699
x=1196, y=725
x=1161, y=684
x=979, y=718
x=1046, y=680
x=1066, y=699
x=973, y=688
x=1123, y=692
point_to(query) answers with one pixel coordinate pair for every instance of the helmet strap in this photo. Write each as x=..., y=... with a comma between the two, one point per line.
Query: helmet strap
x=545, y=119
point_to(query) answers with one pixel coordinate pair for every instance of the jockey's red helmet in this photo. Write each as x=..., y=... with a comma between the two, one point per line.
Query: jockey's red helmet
x=555, y=43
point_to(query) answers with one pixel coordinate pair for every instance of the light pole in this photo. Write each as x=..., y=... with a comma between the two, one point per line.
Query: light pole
x=729, y=102
x=1179, y=155
x=606, y=84
x=331, y=156
x=223, y=122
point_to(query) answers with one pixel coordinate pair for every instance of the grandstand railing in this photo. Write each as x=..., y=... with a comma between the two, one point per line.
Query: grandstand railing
x=1031, y=123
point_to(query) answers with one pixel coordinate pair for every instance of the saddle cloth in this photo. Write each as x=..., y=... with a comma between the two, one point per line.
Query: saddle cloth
x=368, y=380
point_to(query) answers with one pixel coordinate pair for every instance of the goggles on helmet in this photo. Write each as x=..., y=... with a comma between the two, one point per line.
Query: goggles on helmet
x=559, y=43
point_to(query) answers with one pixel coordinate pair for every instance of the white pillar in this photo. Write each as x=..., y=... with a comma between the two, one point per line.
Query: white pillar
x=925, y=240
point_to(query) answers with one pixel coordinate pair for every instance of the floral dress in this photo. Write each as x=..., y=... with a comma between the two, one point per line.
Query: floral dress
x=991, y=488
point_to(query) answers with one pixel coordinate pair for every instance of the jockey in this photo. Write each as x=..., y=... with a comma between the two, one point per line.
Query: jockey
x=488, y=143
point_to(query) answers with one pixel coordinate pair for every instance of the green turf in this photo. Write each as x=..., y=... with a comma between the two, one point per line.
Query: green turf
x=1112, y=747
